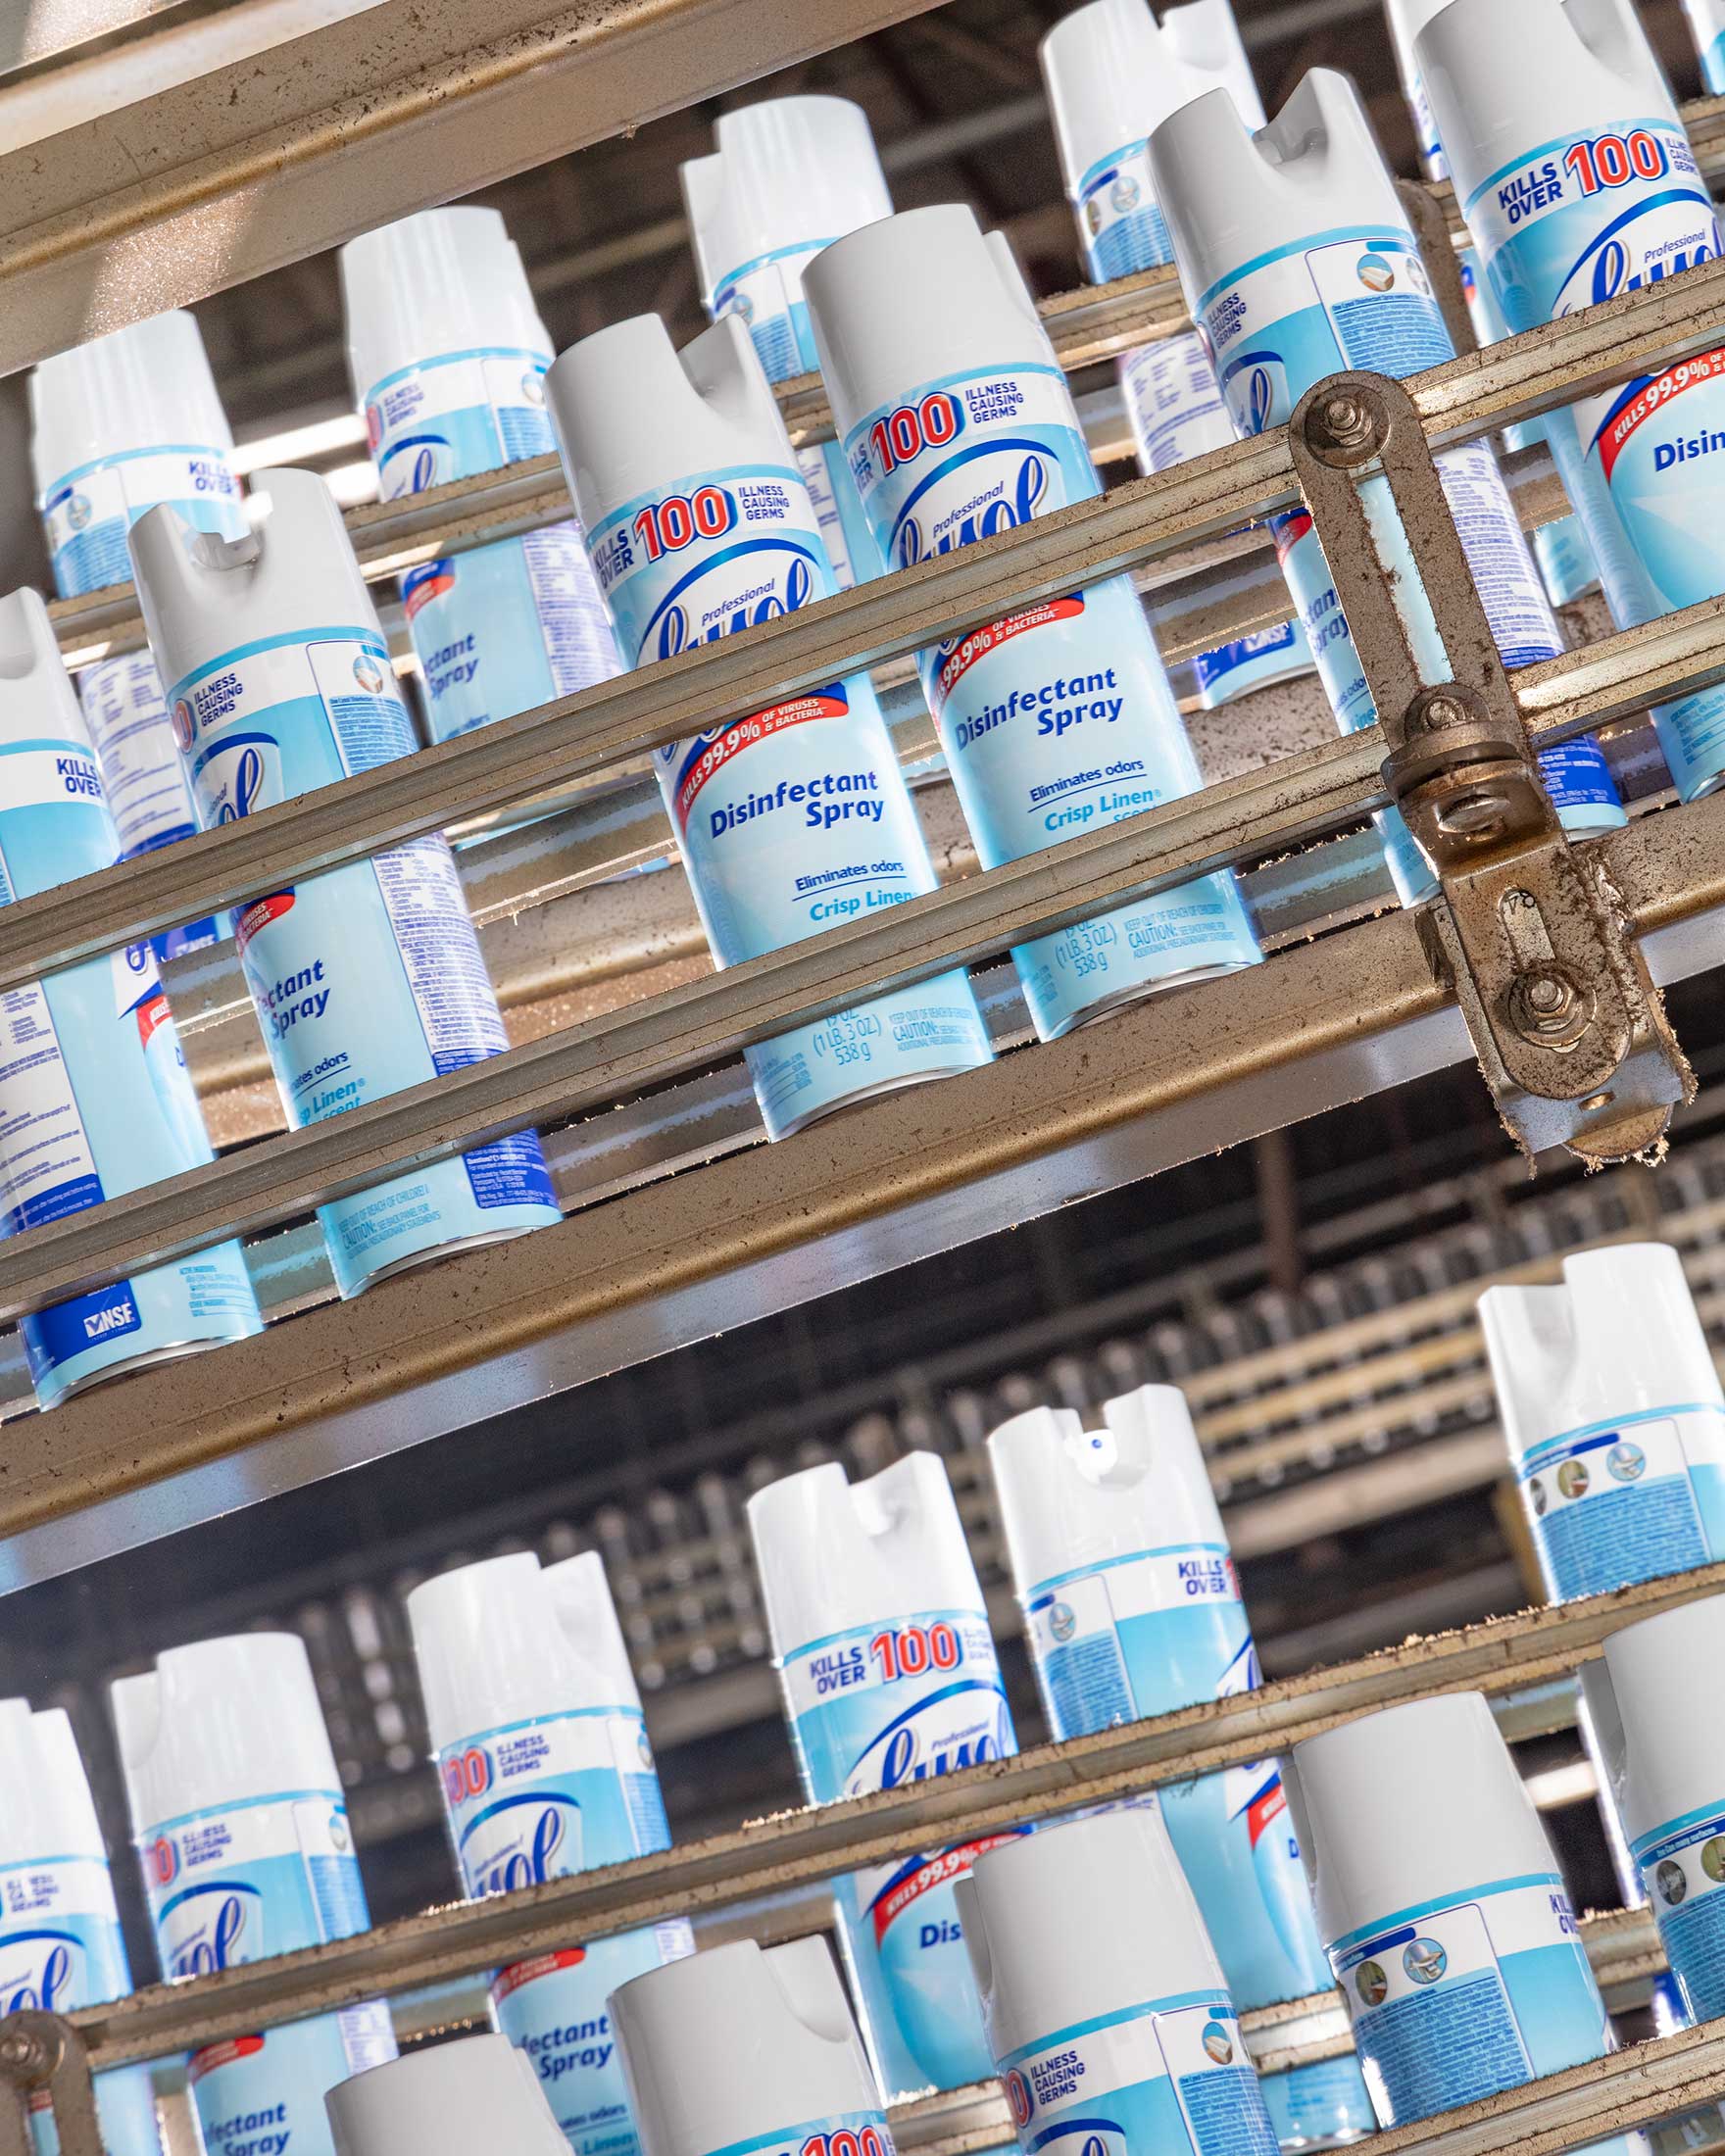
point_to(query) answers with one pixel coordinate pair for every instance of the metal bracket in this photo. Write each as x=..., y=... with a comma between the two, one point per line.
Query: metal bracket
x=41, y=2056
x=1569, y=1029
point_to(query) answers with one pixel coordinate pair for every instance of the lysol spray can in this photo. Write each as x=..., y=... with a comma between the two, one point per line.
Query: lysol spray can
x=541, y=1750
x=880, y=1633
x=243, y=1837
x=95, y=1098
x=448, y=356
x=1614, y=1419
x=1132, y=1608
x=1578, y=182
x=366, y=978
x=748, y=2051
x=446, y=2099
x=1443, y=1910
x=1112, y=74
x=1106, y=2007
x=1299, y=261
x=59, y=1939
x=1664, y=1755
x=118, y=425
x=1560, y=549
x=1706, y=23
x=790, y=177
x=798, y=819
x=958, y=424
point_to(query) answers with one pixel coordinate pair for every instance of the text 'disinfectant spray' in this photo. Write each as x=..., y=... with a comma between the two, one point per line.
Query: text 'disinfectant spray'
x=95, y=1098
x=1299, y=261
x=1132, y=1607
x=790, y=175
x=448, y=358
x=365, y=978
x=883, y=1646
x=796, y=819
x=958, y=424
x=542, y=1755
x=1112, y=74
x=243, y=1837
x=118, y=425
x=1578, y=182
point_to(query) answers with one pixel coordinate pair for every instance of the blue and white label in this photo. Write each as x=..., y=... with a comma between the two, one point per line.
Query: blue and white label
x=368, y=978
x=1054, y=719
x=796, y=819
x=503, y=628
x=239, y=1883
x=1170, y=2075
x=95, y=1098
x=1451, y=2001
x=1120, y=225
x=1709, y=23
x=1575, y=222
x=87, y=514
x=872, y=1709
x=1683, y=1869
x=842, y=2134
x=1615, y=1502
x=542, y=1799
x=1362, y=300
x=61, y=1948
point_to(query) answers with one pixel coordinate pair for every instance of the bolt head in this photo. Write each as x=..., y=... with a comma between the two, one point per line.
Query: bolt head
x=18, y=2050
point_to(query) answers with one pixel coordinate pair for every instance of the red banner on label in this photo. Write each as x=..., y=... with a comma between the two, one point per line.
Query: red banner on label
x=519, y=1973
x=259, y=914
x=1288, y=531
x=221, y=2054
x=151, y=1013
x=990, y=638
x=798, y=711
x=1652, y=398
x=1267, y=1805
x=951, y=1864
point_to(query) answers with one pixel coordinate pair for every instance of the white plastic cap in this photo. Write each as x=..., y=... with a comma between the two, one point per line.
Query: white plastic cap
x=1115, y=74
x=509, y=1640
x=635, y=417
x=1072, y=1498
x=738, y=2043
x=202, y=595
x=220, y=1722
x=1649, y=1703
x=449, y=2101
x=37, y=701
x=791, y=172
x=443, y=282
x=1414, y=1804
x=1504, y=80
x=835, y=1554
x=1620, y=1335
x=1080, y=1920
x=912, y=299
x=1229, y=195
x=147, y=386
x=45, y=1805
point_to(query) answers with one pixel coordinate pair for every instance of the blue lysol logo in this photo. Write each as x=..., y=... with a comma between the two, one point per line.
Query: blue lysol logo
x=223, y=1912
x=909, y=1753
x=533, y=1862
x=1260, y=398
x=672, y=628
x=47, y=1980
x=1017, y=504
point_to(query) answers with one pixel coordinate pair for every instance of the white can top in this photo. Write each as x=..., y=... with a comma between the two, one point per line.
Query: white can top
x=45, y=1805
x=1229, y=195
x=444, y=282
x=147, y=386
x=1115, y=74
x=478, y=2094
x=914, y=299
x=510, y=1638
x=220, y=1722
x=1652, y=1704
x=1620, y=1335
x=788, y=173
x=1082, y=1920
x=37, y=701
x=1504, y=80
x=1072, y=1498
x=835, y=1554
x=634, y=416
x=738, y=2043
x=1412, y=1804
x=202, y=596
